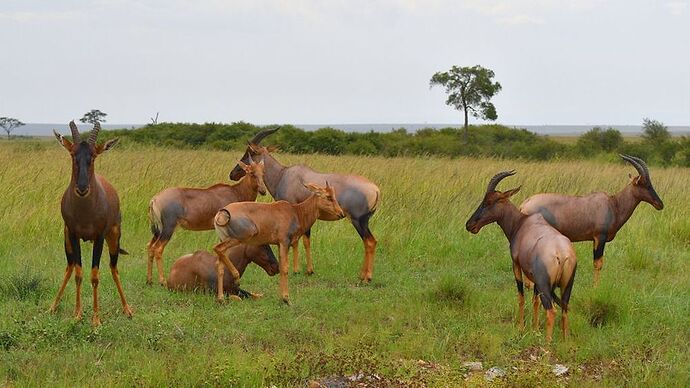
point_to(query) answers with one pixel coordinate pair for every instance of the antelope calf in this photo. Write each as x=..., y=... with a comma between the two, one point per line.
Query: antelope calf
x=280, y=223
x=194, y=209
x=91, y=211
x=197, y=271
x=358, y=197
x=538, y=250
x=596, y=217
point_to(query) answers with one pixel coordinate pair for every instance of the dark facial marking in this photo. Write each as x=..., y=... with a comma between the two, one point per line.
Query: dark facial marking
x=83, y=161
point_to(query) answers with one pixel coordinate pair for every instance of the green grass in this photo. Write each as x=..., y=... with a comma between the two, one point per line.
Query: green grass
x=439, y=297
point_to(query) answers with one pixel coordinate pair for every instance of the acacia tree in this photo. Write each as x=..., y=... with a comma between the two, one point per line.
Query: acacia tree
x=469, y=89
x=654, y=132
x=93, y=116
x=8, y=124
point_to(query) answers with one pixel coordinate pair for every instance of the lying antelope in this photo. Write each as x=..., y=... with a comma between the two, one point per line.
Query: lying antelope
x=357, y=196
x=91, y=212
x=538, y=250
x=197, y=271
x=598, y=216
x=281, y=223
x=194, y=209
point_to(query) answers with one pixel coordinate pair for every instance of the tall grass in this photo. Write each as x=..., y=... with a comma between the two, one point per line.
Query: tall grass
x=440, y=296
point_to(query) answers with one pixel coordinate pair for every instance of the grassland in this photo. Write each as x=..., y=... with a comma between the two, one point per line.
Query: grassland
x=440, y=296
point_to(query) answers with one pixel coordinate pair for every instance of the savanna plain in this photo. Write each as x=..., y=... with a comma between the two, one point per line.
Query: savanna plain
x=440, y=296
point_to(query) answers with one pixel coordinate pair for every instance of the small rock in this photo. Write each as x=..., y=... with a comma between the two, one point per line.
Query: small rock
x=474, y=366
x=560, y=370
x=493, y=373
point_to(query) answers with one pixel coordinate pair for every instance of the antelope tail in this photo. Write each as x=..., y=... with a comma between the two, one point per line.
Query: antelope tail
x=376, y=202
x=155, y=218
x=222, y=217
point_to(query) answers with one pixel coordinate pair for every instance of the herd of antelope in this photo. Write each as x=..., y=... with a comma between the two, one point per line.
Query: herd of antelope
x=541, y=231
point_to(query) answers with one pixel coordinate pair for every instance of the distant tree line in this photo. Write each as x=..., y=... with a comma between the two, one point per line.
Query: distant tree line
x=656, y=146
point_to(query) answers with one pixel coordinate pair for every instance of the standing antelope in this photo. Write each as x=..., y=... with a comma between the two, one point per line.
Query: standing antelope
x=357, y=196
x=91, y=212
x=280, y=223
x=538, y=250
x=598, y=216
x=197, y=271
x=194, y=209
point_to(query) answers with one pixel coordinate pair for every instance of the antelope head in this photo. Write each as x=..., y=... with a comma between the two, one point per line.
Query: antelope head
x=83, y=153
x=263, y=256
x=254, y=171
x=328, y=202
x=642, y=184
x=493, y=205
x=253, y=150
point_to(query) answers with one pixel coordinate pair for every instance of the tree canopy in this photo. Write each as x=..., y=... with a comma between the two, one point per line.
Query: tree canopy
x=8, y=124
x=93, y=116
x=470, y=90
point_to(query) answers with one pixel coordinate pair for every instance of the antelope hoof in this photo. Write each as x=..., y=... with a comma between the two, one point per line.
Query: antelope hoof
x=235, y=298
x=286, y=300
x=220, y=300
x=255, y=296
x=310, y=272
x=149, y=282
x=162, y=282
x=52, y=309
x=128, y=311
x=77, y=316
x=95, y=321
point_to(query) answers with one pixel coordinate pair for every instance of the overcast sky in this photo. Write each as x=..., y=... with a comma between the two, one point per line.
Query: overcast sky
x=354, y=61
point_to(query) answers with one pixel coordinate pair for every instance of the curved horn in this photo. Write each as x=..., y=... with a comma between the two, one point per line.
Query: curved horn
x=94, y=132
x=76, y=137
x=497, y=178
x=262, y=134
x=638, y=163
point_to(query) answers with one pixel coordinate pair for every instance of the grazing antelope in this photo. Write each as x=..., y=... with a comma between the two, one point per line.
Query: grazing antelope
x=281, y=223
x=598, y=216
x=538, y=250
x=197, y=271
x=194, y=209
x=357, y=196
x=91, y=212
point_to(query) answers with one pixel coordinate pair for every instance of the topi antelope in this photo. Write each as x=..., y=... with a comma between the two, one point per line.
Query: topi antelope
x=281, y=223
x=194, y=209
x=357, y=196
x=598, y=216
x=91, y=212
x=538, y=250
x=197, y=271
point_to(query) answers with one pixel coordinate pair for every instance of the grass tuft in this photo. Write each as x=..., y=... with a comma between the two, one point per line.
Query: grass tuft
x=601, y=313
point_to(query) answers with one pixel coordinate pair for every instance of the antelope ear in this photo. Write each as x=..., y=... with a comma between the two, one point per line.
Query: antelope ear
x=510, y=193
x=253, y=148
x=107, y=145
x=242, y=165
x=63, y=141
x=312, y=187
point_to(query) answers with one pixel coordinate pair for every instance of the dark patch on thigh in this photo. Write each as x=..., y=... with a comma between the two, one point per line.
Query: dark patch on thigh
x=548, y=216
x=170, y=215
x=354, y=202
x=542, y=282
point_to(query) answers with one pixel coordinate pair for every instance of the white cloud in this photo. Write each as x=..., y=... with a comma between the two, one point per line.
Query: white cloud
x=32, y=17
x=676, y=8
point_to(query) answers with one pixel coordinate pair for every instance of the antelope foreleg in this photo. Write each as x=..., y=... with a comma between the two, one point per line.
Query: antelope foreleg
x=599, y=244
x=61, y=290
x=283, y=248
x=306, y=240
x=521, y=296
x=220, y=250
x=295, y=256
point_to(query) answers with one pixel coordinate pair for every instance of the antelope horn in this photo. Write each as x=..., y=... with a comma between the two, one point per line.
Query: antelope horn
x=497, y=178
x=262, y=134
x=76, y=137
x=94, y=132
x=638, y=163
